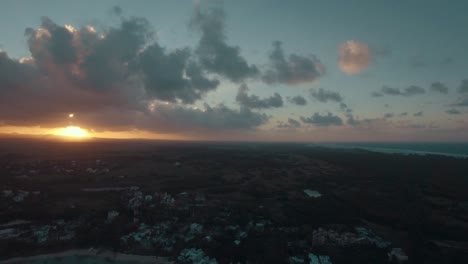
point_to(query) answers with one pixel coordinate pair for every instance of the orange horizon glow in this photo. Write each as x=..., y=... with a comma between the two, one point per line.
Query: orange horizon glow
x=72, y=131
x=319, y=135
x=90, y=133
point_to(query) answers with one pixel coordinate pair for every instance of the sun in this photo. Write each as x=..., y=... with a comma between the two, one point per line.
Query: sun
x=72, y=131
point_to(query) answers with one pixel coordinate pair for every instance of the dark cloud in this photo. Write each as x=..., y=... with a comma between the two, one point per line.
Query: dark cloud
x=404, y=114
x=214, y=53
x=418, y=114
x=389, y=115
x=115, y=79
x=323, y=120
x=292, y=123
x=352, y=121
x=298, y=100
x=117, y=10
x=119, y=58
x=365, y=122
x=413, y=90
x=219, y=117
x=463, y=88
x=51, y=42
x=408, y=91
x=344, y=107
x=439, y=88
x=324, y=96
x=13, y=73
x=461, y=102
x=109, y=57
x=172, y=118
x=453, y=111
x=164, y=75
x=348, y=112
x=390, y=91
x=293, y=69
x=253, y=101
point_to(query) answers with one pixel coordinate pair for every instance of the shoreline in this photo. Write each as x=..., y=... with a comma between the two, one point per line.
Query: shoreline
x=389, y=150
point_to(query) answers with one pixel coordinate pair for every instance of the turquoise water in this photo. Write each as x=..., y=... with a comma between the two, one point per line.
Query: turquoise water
x=445, y=149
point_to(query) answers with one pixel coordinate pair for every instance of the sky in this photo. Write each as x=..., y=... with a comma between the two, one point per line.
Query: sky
x=263, y=70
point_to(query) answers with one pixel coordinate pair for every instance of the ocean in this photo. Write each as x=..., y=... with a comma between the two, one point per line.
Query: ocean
x=419, y=148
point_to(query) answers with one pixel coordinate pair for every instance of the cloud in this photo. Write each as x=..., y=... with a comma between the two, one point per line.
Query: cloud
x=352, y=121
x=52, y=41
x=253, y=101
x=214, y=53
x=453, y=111
x=324, y=96
x=292, y=123
x=354, y=57
x=323, y=120
x=408, y=91
x=120, y=58
x=109, y=60
x=461, y=102
x=413, y=90
x=463, y=88
x=174, y=119
x=219, y=117
x=117, y=79
x=294, y=69
x=367, y=123
x=14, y=74
x=117, y=10
x=298, y=100
x=391, y=91
x=404, y=114
x=418, y=114
x=344, y=107
x=348, y=112
x=439, y=88
x=389, y=115
x=172, y=76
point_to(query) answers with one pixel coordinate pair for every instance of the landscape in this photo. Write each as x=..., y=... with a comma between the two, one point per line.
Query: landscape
x=214, y=202
x=233, y=132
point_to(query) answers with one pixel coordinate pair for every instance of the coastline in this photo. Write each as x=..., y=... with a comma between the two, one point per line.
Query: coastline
x=383, y=150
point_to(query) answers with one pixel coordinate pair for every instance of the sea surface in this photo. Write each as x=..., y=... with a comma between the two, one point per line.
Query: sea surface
x=444, y=149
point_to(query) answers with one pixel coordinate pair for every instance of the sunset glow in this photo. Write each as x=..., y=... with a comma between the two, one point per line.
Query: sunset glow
x=217, y=131
x=72, y=131
x=212, y=78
